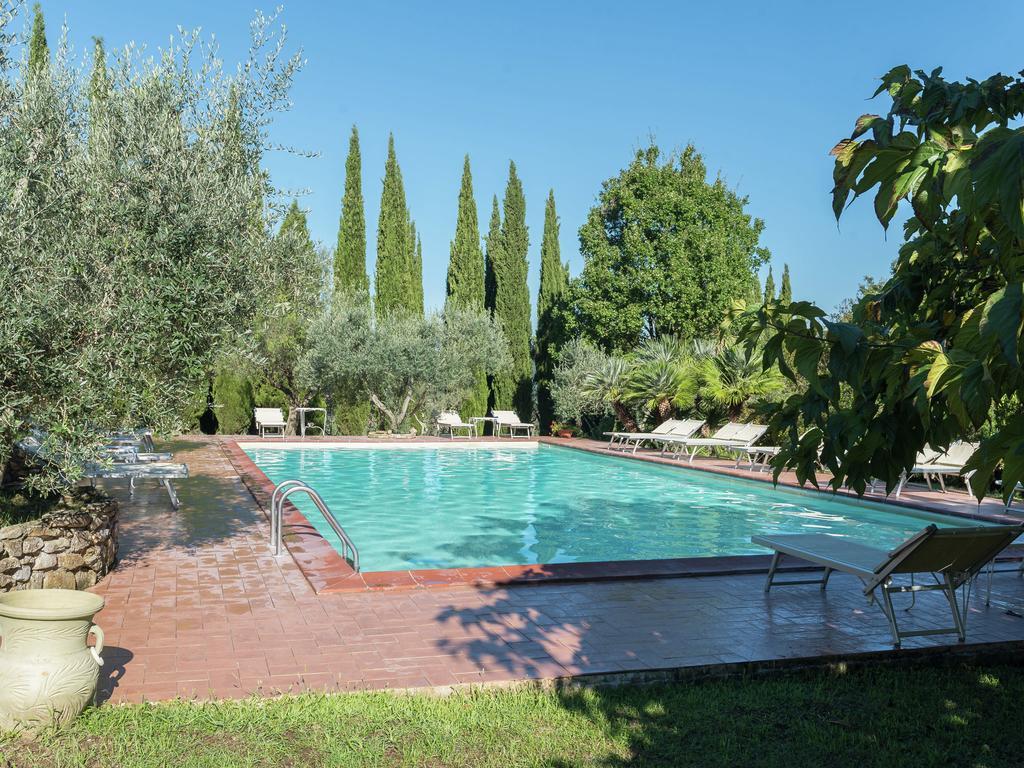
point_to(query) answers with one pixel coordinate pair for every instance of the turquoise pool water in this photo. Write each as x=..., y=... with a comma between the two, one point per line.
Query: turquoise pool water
x=409, y=508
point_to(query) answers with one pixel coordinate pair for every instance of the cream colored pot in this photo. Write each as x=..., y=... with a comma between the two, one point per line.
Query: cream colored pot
x=48, y=673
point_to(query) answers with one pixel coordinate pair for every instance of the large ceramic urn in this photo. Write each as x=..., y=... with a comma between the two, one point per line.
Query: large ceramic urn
x=48, y=672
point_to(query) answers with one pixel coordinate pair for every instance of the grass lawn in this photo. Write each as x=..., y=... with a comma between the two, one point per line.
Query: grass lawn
x=955, y=716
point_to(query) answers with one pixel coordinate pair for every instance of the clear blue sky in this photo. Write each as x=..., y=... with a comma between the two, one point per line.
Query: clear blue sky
x=569, y=90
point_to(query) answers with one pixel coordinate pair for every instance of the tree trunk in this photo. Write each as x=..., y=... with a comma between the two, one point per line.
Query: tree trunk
x=624, y=416
x=664, y=410
x=386, y=411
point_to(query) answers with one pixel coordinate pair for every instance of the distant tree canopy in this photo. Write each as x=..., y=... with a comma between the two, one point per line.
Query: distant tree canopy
x=929, y=355
x=665, y=252
x=406, y=364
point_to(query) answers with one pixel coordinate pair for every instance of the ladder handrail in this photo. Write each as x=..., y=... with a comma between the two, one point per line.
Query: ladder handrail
x=275, y=518
x=287, y=488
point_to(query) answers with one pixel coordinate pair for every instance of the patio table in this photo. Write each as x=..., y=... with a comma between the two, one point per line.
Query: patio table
x=302, y=419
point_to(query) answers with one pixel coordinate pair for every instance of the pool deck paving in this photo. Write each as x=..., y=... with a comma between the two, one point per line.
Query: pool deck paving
x=197, y=606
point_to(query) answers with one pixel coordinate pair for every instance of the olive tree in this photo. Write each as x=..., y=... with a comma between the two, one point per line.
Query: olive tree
x=134, y=236
x=406, y=364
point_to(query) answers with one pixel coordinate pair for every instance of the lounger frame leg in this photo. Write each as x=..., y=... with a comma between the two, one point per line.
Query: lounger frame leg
x=776, y=558
x=171, y=493
x=771, y=582
x=958, y=619
x=890, y=614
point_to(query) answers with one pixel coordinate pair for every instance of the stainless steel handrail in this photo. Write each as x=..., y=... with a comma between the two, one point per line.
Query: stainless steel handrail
x=275, y=517
x=281, y=494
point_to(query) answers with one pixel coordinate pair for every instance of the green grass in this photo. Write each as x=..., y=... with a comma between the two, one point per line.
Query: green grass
x=954, y=716
x=20, y=507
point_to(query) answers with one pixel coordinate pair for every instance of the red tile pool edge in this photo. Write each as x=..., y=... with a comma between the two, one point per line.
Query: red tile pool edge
x=328, y=572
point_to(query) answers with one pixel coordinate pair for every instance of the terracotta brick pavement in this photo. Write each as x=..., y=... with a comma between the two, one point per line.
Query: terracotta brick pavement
x=197, y=606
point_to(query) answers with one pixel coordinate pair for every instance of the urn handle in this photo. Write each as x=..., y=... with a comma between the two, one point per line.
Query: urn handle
x=97, y=649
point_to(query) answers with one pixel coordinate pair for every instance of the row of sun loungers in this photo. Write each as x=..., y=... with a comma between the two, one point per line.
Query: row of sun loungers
x=676, y=437
x=129, y=455
x=452, y=424
x=134, y=457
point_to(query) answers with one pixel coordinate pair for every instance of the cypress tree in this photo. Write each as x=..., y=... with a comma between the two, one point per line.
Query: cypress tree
x=513, y=388
x=393, y=284
x=493, y=245
x=466, y=261
x=755, y=291
x=295, y=221
x=554, y=282
x=38, y=50
x=769, y=287
x=785, y=290
x=415, y=270
x=466, y=276
x=99, y=79
x=350, y=253
x=99, y=90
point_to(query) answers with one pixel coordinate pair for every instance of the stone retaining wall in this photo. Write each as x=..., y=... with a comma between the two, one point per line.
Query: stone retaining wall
x=71, y=547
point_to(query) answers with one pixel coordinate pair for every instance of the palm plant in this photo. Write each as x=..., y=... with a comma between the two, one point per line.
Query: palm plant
x=730, y=380
x=663, y=377
x=608, y=383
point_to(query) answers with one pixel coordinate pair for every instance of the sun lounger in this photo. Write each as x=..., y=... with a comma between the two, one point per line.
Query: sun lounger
x=952, y=555
x=936, y=464
x=131, y=455
x=760, y=455
x=730, y=437
x=452, y=422
x=269, y=419
x=164, y=472
x=510, y=420
x=625, y=441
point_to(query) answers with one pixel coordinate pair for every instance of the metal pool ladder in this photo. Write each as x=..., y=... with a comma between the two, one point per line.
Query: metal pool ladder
x=285, y=489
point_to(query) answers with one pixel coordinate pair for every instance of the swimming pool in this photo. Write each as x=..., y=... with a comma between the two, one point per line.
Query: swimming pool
x=418, y=506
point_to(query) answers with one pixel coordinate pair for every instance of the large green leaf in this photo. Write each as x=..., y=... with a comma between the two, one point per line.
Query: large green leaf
x=1002, y=319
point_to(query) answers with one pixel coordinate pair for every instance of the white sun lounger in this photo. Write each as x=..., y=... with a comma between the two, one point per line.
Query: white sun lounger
x=625, y=441
x=936, y=464
x=952, y=555
x=452, y=422
x=760, y=455
x=730, y=437
x=510, y=420
x=271, y=419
